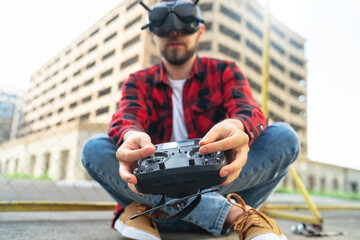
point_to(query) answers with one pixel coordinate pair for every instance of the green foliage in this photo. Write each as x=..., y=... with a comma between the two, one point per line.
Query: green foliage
x=341, y=195
x=27, y=176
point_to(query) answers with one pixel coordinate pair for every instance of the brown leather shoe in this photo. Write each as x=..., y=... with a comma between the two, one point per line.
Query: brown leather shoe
x=140, y=228
x=253, y=223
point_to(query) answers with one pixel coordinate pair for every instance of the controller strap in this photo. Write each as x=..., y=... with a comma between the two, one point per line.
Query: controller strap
x=174, y=203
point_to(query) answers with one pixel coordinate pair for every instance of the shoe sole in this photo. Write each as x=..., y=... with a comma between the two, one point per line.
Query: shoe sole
x=133, y=233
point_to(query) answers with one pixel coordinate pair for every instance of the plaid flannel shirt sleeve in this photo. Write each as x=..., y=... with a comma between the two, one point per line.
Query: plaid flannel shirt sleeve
x=240, y=103
x=132, y=113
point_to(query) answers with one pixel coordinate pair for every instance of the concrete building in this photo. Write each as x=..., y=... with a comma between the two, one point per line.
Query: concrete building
x=11, y=104
x=74, y=94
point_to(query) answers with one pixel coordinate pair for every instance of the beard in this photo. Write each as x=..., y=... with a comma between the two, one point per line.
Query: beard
x=178, y=56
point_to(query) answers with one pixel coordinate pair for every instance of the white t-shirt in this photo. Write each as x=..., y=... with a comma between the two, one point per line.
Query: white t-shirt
x=179, y=132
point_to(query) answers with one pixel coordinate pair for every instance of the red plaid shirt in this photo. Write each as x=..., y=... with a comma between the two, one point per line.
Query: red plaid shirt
x=214, y=91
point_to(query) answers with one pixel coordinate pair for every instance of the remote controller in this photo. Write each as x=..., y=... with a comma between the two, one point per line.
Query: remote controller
x=177, y=169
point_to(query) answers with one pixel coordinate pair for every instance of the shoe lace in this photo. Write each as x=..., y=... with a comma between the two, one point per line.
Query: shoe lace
x=142, y=208
x=241, y=224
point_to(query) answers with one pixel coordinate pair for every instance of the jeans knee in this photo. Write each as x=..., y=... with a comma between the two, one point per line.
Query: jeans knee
x=290, y=140
x=91, y=149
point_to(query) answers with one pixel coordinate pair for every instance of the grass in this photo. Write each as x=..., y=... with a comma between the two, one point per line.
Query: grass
x=347, y=196
x=27, y=176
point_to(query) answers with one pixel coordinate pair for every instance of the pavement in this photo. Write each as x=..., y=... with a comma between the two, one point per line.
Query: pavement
x=95, y=225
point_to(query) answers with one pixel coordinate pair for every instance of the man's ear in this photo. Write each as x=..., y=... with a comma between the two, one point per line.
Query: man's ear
x=201, y=32
x=153, y=37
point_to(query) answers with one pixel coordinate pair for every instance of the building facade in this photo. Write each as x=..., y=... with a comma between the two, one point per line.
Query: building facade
x=83, y=81
x=11, y=104
x=79, y=89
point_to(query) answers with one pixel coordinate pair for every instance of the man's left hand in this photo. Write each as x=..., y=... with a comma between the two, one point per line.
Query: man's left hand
x=228, y=135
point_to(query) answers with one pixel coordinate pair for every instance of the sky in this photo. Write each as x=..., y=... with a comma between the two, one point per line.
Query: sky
x=32, y=32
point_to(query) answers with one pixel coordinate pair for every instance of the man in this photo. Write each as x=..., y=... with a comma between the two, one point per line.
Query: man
x=186, y=97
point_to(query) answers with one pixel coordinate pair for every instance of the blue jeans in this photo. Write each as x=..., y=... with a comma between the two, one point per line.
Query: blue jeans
x=269, y=159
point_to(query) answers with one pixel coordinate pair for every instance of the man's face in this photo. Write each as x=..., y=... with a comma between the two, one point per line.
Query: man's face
x=178, y=48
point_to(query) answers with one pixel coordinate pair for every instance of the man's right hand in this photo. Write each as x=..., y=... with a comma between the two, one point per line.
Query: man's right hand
x=136, y=145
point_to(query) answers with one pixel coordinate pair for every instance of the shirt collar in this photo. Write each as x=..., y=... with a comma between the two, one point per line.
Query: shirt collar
x=197, y=72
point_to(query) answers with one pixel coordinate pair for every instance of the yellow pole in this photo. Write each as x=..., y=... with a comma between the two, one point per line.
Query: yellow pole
x=265, y=66
x=264, y=105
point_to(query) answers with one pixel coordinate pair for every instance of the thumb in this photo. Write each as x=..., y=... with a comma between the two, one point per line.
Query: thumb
x=211, y=136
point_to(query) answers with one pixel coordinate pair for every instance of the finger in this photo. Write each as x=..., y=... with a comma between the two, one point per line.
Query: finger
x=125, y=171
x=129, y=155
x=211, y=136
x=234, y=141
x=133, y=188
x=236, y=165
x=231, y=178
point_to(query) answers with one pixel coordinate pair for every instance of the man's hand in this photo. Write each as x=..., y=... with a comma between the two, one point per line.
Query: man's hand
x=136, y=145
x=228, y=135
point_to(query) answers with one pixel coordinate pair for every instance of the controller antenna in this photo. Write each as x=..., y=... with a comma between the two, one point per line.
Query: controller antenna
x=144, y=5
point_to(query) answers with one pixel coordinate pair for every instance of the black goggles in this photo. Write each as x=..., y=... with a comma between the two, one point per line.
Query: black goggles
x=166, y=17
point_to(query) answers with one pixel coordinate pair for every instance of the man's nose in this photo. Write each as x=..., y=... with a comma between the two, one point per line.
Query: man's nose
x=175, y=34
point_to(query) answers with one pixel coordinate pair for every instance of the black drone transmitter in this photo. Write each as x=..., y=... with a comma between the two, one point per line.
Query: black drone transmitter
x=177, y=169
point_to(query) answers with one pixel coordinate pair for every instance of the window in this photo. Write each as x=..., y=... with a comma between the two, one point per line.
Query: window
x=297, y=127
x=84, y=117
x=277, y=100
x=60, y=110
x=104, y=92
x=297, y=110
x=108, y=55
x=132, y=22
x=277, y=31
x=93, y=48
x=62, y=95
x=277, y=48
x=208, y=26
x=275, y=117
x=203, y=46
x=106, y=73
x=206, y=7
x=66, y=66
x=131, y=42
x=254, y=85
x=277, y=82
x=155, y=59
x=101, y=111
x=297, y=45
x=81, y=42
x=253, y=47
x=78, y=58
x=73, y=105
x=131, y=5
x=90, y=65
x=277, y=64
x=77, y=73
x=297, y=94
x=129, y=62
x=74, y=89
x=110, y=37
x=296, y=61
x=295, y=76
x=254, y=29
x=253, y=65
x=112, y=19
x=229, y=32
x=86, y=99
x=229, y=52
x=94, y=32
x=230, y=13
x=88, y=82
x=255, y=12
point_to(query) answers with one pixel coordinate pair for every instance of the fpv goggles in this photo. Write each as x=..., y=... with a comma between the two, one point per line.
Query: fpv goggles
x=166, y=17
